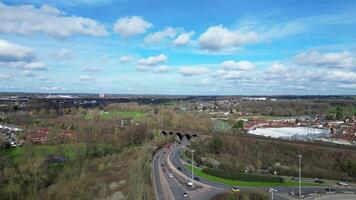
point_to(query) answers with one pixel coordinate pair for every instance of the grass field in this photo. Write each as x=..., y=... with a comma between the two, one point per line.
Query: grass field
x=200, y=173
x=124, y=114
x=42, y=151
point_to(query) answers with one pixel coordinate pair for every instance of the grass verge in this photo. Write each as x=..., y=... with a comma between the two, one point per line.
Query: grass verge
x=200, y=173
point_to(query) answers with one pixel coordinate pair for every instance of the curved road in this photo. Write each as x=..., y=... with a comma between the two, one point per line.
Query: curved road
x=170, y=188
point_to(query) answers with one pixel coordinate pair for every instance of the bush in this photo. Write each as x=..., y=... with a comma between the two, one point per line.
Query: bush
x=241, y=176
x=250, y=195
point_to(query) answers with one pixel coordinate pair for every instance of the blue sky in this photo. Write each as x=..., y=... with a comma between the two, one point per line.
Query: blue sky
x=200, y=47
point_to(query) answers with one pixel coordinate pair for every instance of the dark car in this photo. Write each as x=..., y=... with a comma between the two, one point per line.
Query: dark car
x=319, y=180
x=196, y=178
x=179, y=168
x=330, y=189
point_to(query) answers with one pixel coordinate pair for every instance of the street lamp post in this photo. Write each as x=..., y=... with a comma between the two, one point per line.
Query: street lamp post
x=271, y=190
x=300, y=174
x=192, y=165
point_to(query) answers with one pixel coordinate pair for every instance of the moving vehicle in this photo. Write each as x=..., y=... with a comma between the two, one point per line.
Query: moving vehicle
x=185, y=194
x=316, y=180
x=190, y=184
x=342, y=183
x=235, y=189
x=170, y=175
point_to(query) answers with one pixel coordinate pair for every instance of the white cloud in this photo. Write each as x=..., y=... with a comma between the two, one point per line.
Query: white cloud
x=342, y=59
x=35, y=66
x=341, y=76
x=227, y=74
x=85, y=78
x=218, y=38
x=92, y=69
x=161, y=69
x=158, y=36
x=125, y=59
x=153, y=60
x=64, y=54
x=347, y=86
x=238, y=66
x=10, y=52
x=28, y=19
x=193, y=71
x=28, y=73
x=183, y=39
x=129, y=26
x=277, y=68
x=5, y=76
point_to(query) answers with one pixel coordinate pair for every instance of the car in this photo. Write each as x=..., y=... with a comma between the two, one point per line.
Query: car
x=185, y=194
x=235, y=189
x=295, y=179
x=316, y=180
x=196, y=178
x=330, y=189
x=179, y=168
x=342, y=183
x=190, y=184
x=170, y=175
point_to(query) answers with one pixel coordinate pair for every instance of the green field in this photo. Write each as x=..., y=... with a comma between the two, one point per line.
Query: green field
x=42, y=151
x=123, y=114
x=200, y=173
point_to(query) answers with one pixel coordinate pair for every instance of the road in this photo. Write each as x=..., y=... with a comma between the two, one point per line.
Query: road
x=171, y=188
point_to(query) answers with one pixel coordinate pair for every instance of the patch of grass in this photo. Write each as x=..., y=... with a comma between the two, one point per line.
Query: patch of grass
x=42, y=151
x=124, y=114
x=200, y=173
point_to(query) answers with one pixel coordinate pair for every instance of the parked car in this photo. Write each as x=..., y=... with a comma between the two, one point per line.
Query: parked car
x=170, y=175
x=190, y=184
x=185, y=194
x=179, y=168
x=295, y=179
x=196, y=178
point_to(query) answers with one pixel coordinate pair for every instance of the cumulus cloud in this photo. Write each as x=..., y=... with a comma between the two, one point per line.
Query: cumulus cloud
x=341, y=76
x=342, y=59
x=35, y=66
x=192, y=71
x=158, y=36
x=183, y=39
x=225, y=74
x=153, y=60
x=277, y=68
x=218, y=38
x=10, y=52
x=161, y=69
x=238, y=66
x=86, y=78
x=17, y=56
x=125, y=59
x=28, y=19
x=131, y=25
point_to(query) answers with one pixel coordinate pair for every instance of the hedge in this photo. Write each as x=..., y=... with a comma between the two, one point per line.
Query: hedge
x=242, y=176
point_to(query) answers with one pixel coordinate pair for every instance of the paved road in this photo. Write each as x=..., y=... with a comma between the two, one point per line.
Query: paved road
x=177, y=188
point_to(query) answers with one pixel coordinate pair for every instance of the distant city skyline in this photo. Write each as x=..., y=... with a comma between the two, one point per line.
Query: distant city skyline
x=178, y=47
